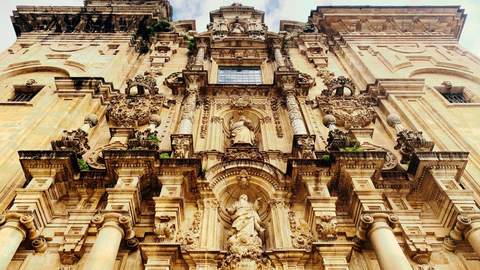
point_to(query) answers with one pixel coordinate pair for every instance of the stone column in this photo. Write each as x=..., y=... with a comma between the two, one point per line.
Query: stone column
x=188, y=113
x=470, y=227
x=113, y=227
x=294, y=113
x=17, y=227
x=378, y=228
x=279, y=58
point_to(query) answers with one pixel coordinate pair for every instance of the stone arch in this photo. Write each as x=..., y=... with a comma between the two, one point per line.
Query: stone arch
x=262, y=180
x=445, y=71
x=25, y=70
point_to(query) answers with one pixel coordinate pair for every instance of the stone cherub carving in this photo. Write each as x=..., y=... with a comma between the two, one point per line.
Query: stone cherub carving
x=242, y=131
x=246, y=225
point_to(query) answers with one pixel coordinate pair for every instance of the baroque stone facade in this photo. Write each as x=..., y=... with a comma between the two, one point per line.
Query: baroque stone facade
x=133, y=142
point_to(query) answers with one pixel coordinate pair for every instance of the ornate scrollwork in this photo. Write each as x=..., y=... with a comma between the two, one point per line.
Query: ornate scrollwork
x=338, y=140
x=180, y=146
x=142, y=82
x=337, y=87
x=327, y=229
x=144, y=140
x=351, y=111
x=75, y=140
x=410, y=142
x=301, y=238
x=207, y=103
x=243, y=153
x=130, y=111
x=189, y=240
x=274, y=104
x=306, y=146
x=165, y=230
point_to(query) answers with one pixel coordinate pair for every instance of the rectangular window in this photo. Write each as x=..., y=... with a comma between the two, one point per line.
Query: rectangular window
x=455, y=98
x=239, y=75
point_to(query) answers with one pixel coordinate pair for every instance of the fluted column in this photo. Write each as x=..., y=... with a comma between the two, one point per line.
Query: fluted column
x=294, y=113
x=279, y=58
x=17, y=227
x=188, y=113
x=378, y=228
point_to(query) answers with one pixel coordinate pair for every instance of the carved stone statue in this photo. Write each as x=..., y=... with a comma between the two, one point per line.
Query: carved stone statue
x=237, y=27
x=246, y=225
x=242, y=131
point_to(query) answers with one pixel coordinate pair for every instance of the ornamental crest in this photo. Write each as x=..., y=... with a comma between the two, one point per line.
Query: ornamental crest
x=352, y=111
x=132, y=111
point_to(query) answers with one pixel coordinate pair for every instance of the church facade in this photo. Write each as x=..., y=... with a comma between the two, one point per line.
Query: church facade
x=132, y=141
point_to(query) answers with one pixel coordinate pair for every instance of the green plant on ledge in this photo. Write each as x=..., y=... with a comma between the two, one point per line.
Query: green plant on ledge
x=83, y=165
x=327, y=159
x=164, y=155
x=154, y=138
x=161, y=26
x=186, y=37
x=351, y=149
x=204, y=169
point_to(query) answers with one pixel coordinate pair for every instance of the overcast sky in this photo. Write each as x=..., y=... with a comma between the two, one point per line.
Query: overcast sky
x=276, y=10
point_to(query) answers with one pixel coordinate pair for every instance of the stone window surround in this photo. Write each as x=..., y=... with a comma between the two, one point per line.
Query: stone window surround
x=468, y=94
x=12, y=89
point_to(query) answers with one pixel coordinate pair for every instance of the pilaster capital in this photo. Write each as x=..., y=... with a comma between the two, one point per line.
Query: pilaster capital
x=123, y=223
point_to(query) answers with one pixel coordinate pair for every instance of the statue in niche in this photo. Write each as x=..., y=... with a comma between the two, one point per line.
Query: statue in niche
x=237, y=27
x=246, y=225
x=242, y=131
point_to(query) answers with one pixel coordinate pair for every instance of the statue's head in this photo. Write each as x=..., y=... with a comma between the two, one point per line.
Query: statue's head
x=242, y=118
x=244, y=197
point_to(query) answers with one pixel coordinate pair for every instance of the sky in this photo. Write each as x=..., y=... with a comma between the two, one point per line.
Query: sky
x=276, y=10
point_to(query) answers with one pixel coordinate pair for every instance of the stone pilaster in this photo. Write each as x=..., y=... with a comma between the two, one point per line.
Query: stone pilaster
x=279, y=213
x=335, y=256
x=209, y=231
x=279, y=58
x=188, y=113
x=365, y=196
x=378, y=229
x=200, y=56
x=294, y=113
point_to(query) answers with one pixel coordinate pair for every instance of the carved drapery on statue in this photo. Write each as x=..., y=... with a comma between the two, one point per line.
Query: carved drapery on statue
x=244, y=244
x=241, y=132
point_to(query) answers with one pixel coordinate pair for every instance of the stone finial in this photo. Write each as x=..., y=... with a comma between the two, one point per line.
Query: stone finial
x=329, y=120
x=91, y=119
x=393, y=119
x=155, y=119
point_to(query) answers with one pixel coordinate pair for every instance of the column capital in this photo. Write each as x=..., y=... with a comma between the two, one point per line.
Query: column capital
x=21, y=222
x=122, y=223
x=465, y=226
x=372, y=222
